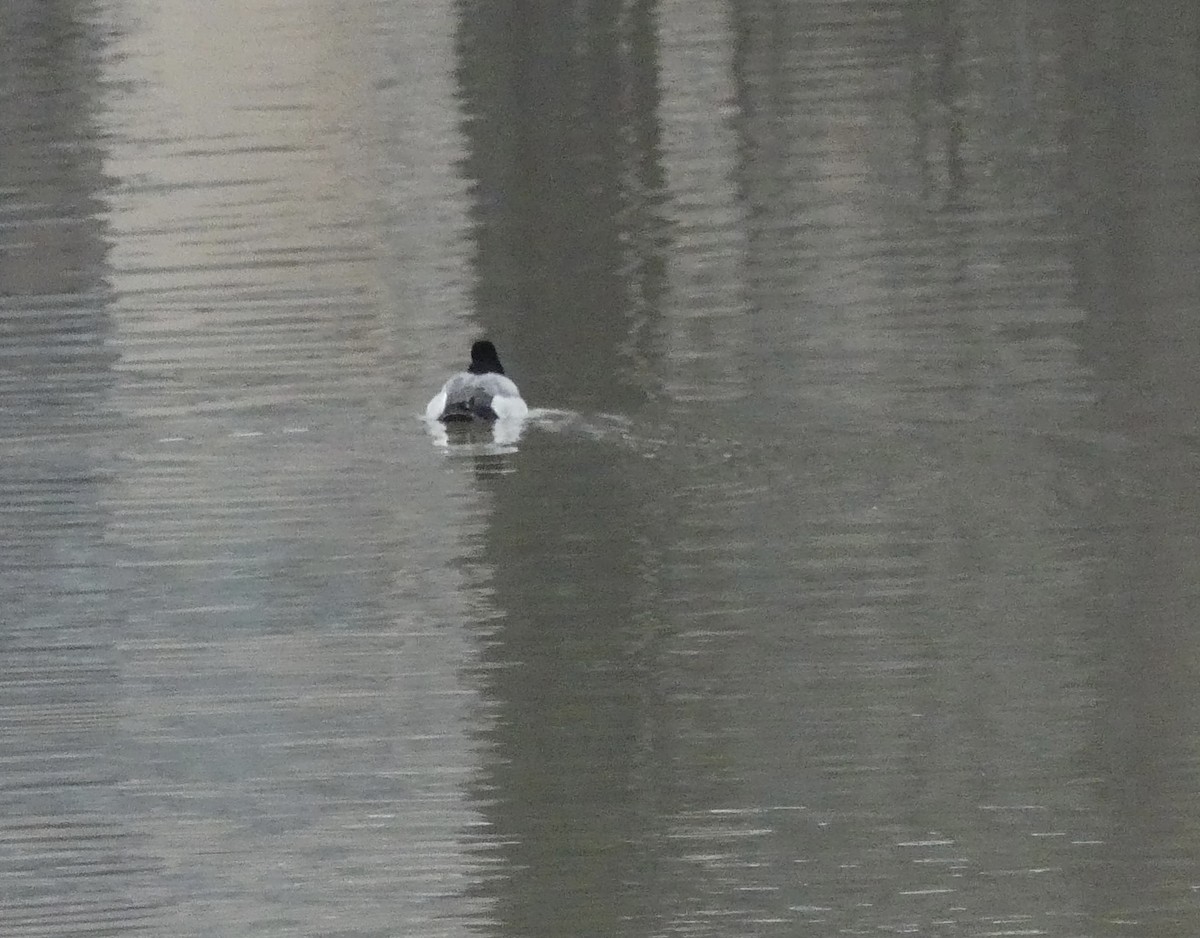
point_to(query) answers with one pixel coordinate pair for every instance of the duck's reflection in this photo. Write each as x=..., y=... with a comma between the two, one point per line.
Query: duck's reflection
x=497, y=436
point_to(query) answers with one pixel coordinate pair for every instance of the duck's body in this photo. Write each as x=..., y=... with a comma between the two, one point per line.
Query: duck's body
x=481, y=393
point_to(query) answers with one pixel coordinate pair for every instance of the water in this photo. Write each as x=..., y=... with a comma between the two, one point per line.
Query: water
x=843, y=583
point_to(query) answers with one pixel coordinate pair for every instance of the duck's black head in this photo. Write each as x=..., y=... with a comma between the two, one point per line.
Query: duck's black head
x=484, y=359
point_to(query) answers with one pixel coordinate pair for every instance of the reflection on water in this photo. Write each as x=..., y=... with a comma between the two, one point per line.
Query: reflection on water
x=561, y=135
x=841, y=578
x=67, y=863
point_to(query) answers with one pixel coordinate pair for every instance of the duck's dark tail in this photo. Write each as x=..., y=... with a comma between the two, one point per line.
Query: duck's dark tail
x=468, y=404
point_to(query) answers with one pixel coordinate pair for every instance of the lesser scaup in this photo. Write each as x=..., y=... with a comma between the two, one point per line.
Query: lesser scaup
x=481, y=393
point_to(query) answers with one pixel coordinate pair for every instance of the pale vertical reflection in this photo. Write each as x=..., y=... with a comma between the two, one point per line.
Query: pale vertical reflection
x=296, y=724
x=424, y=199
x=237, y=238
x=814, y=231
x=705, y=318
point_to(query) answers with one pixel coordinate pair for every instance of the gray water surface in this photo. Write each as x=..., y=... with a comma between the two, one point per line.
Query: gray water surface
x=844, y=581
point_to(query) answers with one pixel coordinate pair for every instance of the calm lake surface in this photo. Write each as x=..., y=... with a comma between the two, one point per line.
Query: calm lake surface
x=846, y=580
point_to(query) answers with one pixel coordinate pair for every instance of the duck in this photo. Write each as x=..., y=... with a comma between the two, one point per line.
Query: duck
x=483, y=393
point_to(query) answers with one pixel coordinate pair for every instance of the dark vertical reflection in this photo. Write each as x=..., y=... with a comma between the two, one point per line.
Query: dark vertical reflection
x=66, y=860
x=571, y=785
x=938, y=102
x=52, y=239
x=1135, y=146
x=561, y=129
x=560, y=106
